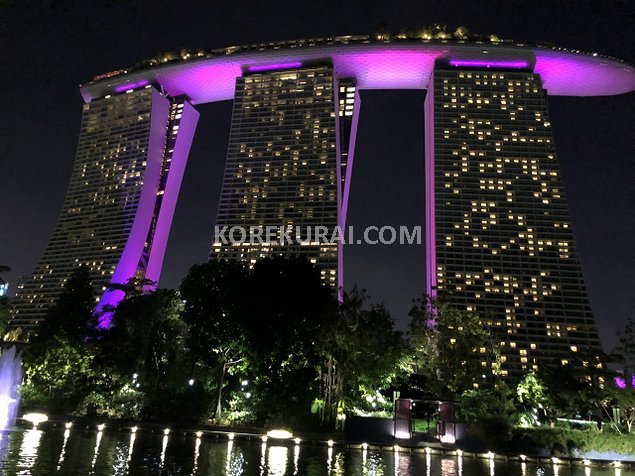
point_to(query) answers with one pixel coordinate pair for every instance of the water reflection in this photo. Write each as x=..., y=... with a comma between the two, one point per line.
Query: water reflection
x=100, y=434
x=197, y=452
x=448, y=467
x=338, y=467
x=67, y=433
x=296, y=458
x=373, y=465
x=277, y=461
x=122, y=456
x=164, y=447
x=235, y=462
x=29, y=450
x=56, y=451
x=263, y=459
x=402, y=464
x=130, y=449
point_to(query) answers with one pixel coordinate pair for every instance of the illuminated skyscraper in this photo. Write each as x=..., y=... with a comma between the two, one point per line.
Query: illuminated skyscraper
x=503, y=243
x=130, y=160
x=283, y=168
x=498, y=234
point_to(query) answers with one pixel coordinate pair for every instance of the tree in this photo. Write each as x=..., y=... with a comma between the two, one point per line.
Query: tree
x=532, y=396
x=571, y=389
x=625, y=401
x=147, y=345
x=5, y=315
x=212, y=293
x=71, y=315
x=61, y=375
x=362, y=354
x=287, y=305
x=146, y=337
x=447, y=342
x=625, y=351
x=133, y=287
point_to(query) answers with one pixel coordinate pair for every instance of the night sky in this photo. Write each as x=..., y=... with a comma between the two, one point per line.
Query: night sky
x=47, y=48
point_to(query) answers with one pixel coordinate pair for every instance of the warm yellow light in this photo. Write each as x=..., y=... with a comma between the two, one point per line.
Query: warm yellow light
x=280, y=434
x=35, y=418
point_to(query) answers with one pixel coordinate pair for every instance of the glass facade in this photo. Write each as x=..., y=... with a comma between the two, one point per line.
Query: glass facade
x=108, y=221
x=503, y=239
x=282, y=165
x=500, y=241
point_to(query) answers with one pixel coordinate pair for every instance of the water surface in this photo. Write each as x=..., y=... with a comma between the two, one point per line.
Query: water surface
x=81, y=452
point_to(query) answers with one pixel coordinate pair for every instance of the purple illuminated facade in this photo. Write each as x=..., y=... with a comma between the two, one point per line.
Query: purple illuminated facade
x=145, y=153
x=116, y=218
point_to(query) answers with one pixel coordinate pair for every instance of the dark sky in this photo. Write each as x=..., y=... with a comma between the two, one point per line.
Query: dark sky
x=48, y=47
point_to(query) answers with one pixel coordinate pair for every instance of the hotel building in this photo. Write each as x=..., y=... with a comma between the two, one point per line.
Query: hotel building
x=499, y=239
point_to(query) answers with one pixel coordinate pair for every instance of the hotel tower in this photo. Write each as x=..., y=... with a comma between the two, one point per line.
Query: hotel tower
x=499, y=240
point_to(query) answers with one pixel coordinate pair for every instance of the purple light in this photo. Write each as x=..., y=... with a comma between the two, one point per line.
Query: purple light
x=375, y=66
x=431, y=251
x=272, y=67
x=489, y=64
x=357, y=102
x=347, y=186
x=620, y=382
x=127, y=87
x=187, y=126
x=129, y=259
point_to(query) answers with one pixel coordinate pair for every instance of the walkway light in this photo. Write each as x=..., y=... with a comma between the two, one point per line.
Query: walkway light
x=35, y=418
x=280, y=434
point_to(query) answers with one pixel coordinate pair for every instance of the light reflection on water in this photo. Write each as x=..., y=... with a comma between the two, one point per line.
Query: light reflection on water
x=28, y=450
x=76, y=451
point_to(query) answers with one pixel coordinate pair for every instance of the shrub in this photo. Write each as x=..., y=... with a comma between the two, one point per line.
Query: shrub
x=562, y=441
x=494, y=431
